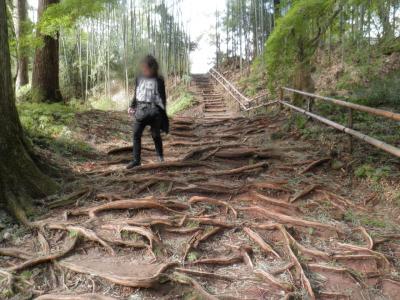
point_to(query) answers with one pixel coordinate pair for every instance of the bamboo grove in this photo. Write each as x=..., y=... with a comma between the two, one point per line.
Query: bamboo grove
x=287, y=35
x=110, y=45
x=101, y=41
x=243, y=28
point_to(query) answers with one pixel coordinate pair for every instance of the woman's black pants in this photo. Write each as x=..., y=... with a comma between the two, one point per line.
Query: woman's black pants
x=142, y=120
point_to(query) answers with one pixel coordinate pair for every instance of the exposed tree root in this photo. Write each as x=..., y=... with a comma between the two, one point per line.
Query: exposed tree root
x=228, y=207
x=213, y=162
x=197, y=152
x=315, y=164
x=303, y=193
x=74, y=297
x=277, y=186
x=130, y=281
x=84, y=232
x=44, y=259
x=386, y=237
x=139, y=230
x=244, y=169
x=193, y=239
x=205, y=274
x=367, y=237
x=285, y=219
x=285, y=268
x=273, y=281
x=205, y=235
x=205, y=188
x=245, y=252
x=311, y=252
x=209, y=155
x=110, y=196
x=304, y=280
x=120, y=150
x=171, y=164
x=385, y=264
x=213, y=222
x=144, y=186
x=260, y=241
x=246, y=153
x=14, y=252
x=289, y=242
x=122, y=204
x=70, y=199
x=224, y=261
x=268, y=200
x=184, y=279
x=182, y=230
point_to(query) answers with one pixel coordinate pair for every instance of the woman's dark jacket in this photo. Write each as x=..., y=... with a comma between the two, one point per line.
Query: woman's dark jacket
x=162, y=108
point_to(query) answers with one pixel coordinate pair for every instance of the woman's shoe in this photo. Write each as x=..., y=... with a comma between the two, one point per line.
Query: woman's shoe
x=133, y=164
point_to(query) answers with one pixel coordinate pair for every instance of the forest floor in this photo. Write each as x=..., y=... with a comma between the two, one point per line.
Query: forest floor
x=232, y=214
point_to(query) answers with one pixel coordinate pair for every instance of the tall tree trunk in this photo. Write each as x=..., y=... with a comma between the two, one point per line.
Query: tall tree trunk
x=20, y=178
x=277, y=10
x=45, y=78
x=20, y=30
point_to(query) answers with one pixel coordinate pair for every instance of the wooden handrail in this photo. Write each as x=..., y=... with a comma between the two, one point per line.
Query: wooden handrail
x=363, y=108
x=363, y=137
x=238, y=96
x=230, y=88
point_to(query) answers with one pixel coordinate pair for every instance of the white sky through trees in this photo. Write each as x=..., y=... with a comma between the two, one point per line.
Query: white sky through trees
x=199, y=16
x=199, y=19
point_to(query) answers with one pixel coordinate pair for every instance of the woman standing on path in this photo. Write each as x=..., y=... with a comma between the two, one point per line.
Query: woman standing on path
x=149, y=108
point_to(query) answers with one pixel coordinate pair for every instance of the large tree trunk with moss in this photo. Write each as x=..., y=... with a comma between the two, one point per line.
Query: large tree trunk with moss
x=21, y=18
x=20, y=178
x=277, y=10
x=45, y=78
x=303, y=76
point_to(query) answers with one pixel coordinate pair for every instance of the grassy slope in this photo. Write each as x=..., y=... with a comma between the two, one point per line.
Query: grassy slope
x=51, y=126
x=181, y=99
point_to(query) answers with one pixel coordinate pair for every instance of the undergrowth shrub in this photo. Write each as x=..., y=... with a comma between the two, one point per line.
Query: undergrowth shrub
x=103, y=103
x=184, y=100
x=380, y=91
x=51, y=126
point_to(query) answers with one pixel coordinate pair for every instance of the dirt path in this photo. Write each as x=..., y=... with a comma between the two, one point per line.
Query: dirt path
x=231, y=214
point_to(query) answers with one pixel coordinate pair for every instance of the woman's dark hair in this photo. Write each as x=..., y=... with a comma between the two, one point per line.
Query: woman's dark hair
x=152, y=63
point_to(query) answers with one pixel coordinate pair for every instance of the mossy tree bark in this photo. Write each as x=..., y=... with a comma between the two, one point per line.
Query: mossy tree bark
x=45, y=77
x=277, y=10
x=20, y=178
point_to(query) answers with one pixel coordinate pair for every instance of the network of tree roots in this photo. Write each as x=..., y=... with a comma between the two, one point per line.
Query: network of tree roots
x=229, y=215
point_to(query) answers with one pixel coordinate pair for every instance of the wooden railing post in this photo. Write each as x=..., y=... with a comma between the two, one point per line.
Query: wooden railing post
x=281, y=98
x=350, y=125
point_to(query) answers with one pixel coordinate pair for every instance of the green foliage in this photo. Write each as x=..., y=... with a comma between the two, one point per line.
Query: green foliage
x=103, y=103
x=24, y=93
x=373, y=222
x=192, y=256
x=256, y=80
x=300, y=121
x=73, y=233
x=49, y=126
x=184, y=101
x=373, y=173
x=296, y=36
x=379, y=91
x=66, y=14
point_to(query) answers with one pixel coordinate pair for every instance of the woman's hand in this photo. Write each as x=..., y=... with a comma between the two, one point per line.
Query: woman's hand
x=131, y=111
